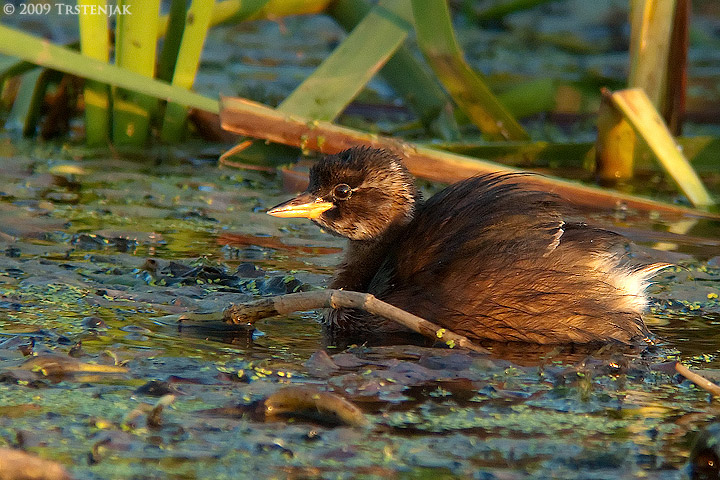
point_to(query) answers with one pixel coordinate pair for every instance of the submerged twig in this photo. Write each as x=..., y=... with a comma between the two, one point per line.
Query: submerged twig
x=248, y=313
x=307, y=401
x=154, y=417
x=697, y=379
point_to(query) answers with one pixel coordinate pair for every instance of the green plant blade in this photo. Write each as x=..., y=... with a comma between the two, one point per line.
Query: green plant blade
x=651, y=32
x=702, y=152
x=197, y=22
x=44, y=53
x=639, y=111
x=406, y=76
x=521, y=154
x=439, y=45
x=173, y=38
x=135, y=49
x=95, y=43
x=25, y=111
x=652, y=23
x=11, y=67
x=7, y=62
x=615, y=145
x=328, y=90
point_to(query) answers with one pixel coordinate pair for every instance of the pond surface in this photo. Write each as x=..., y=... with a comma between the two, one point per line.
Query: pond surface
x=97, y=251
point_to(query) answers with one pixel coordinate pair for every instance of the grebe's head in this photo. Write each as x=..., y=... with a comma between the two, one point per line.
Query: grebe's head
x=358, y=194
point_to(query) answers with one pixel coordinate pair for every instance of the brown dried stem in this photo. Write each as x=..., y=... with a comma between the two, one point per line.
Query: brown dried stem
x=252, y=119
x=248, y=313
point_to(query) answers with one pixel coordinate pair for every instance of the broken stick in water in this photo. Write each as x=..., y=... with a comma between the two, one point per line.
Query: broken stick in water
x=248, y=313
x=697, y=379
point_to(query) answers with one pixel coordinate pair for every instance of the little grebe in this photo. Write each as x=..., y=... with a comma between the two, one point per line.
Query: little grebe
x=486, y=257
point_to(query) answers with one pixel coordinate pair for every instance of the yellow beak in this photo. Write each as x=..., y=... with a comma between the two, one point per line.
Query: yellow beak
x=304, y=205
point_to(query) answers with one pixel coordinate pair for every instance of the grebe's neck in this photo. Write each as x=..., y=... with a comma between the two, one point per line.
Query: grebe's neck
x=363, y=259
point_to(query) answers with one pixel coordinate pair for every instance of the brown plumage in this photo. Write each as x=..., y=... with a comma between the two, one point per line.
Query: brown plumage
x=487, y=257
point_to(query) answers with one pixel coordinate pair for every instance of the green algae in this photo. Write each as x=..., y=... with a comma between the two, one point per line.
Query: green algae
x=198, y=241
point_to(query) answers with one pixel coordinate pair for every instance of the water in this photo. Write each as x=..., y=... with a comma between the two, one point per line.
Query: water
x=81, y=249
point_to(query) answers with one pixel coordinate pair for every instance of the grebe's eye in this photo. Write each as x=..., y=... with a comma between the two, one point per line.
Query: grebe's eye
x=342, y=191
